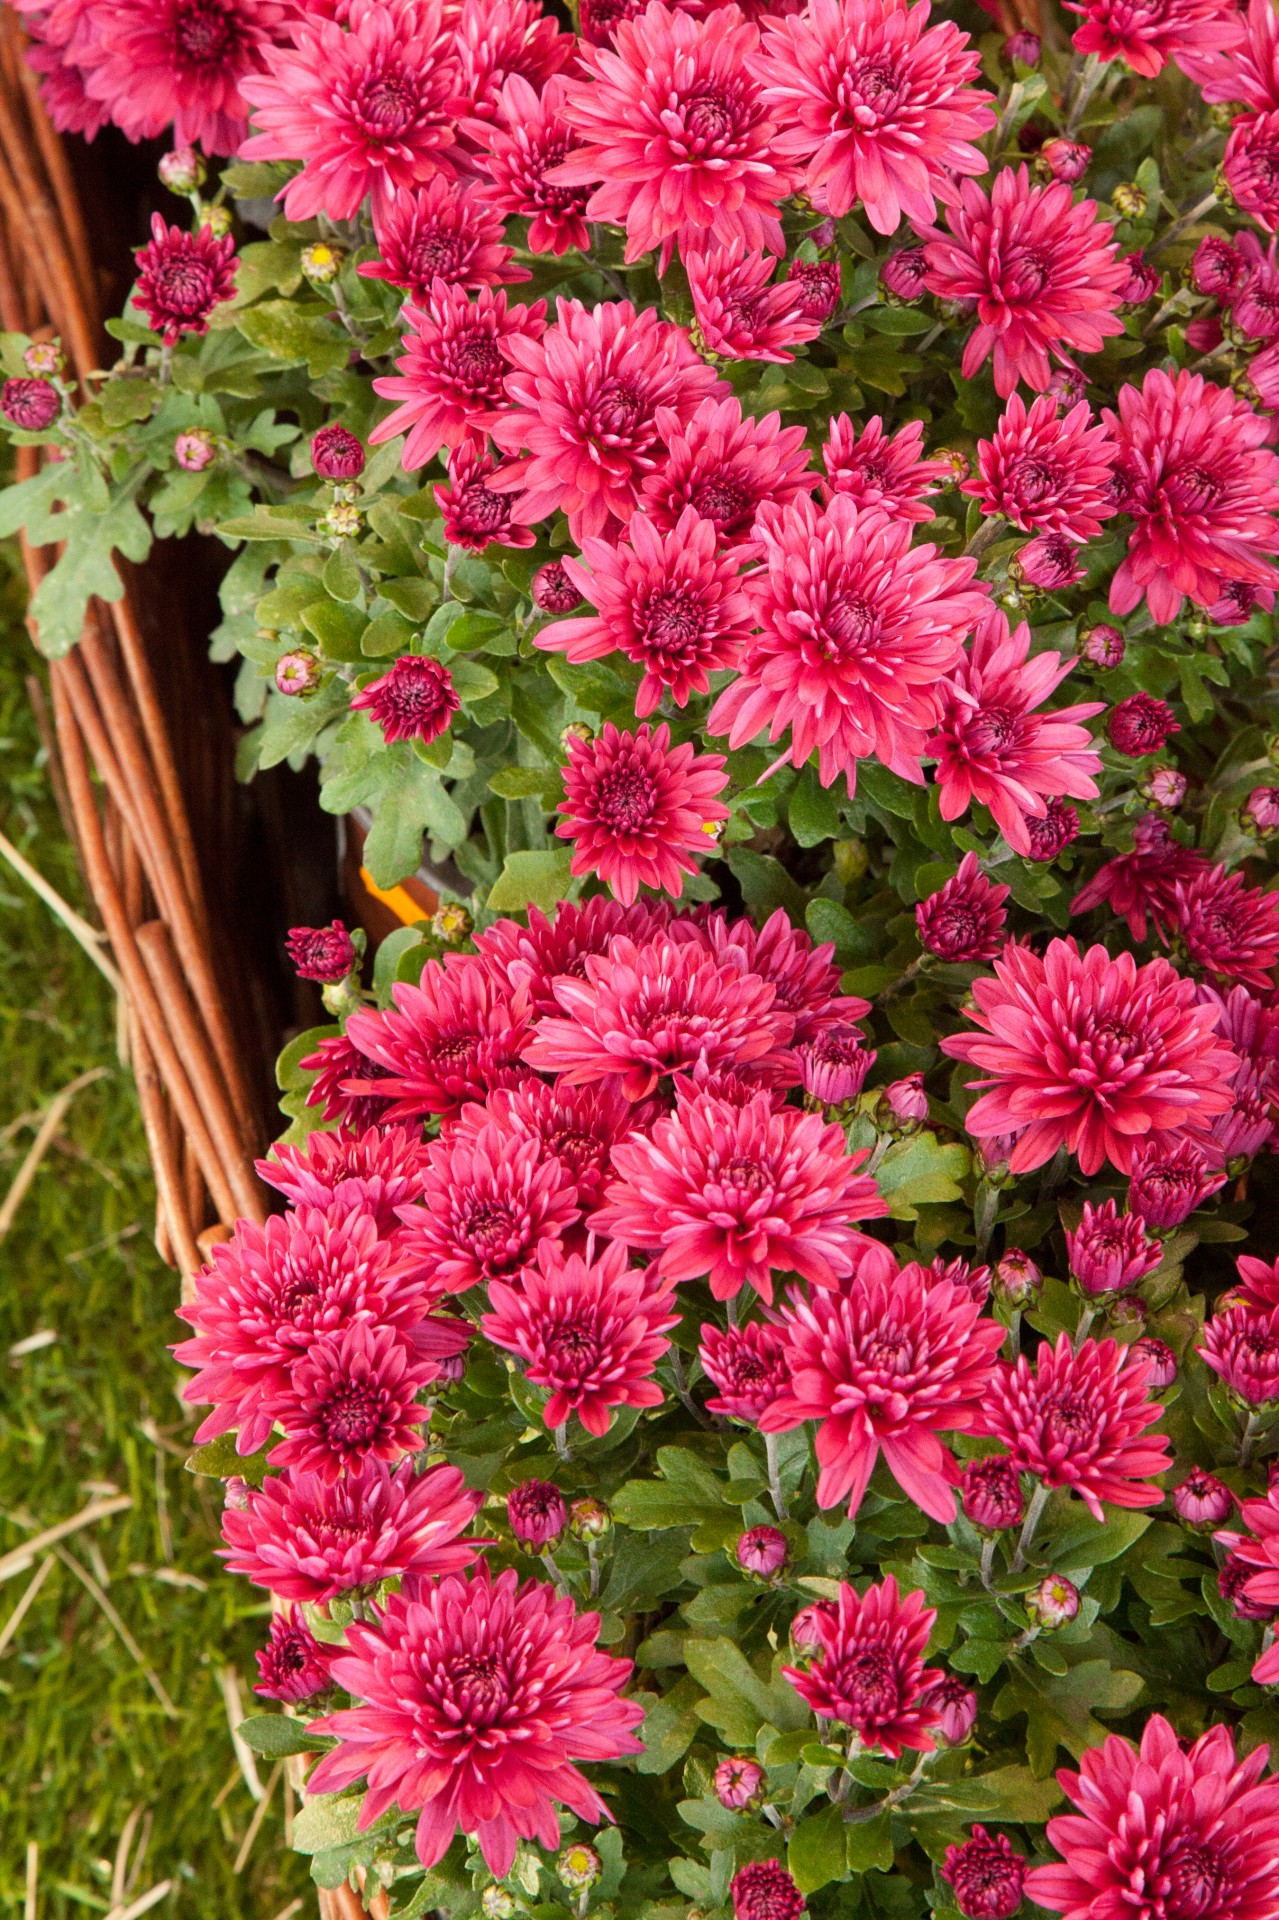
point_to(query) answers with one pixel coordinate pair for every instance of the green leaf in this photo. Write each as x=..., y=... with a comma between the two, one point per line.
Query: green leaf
x=84, y=568
x=409, y=806
x=826, y=921
x=527, y=783
x=124, y=401
x=920, y=1171
x=765, y=884
x=817, y=1852
x=218, y=1460
x=288, y=334
x=1084, y=1543
x=275, y=1734
x=869, y=1845
x=471, y=681
x=327, y=1820
x=338, y=628
x=389, y=955
x=739, y=1701
x=531, y=879
x=1059, y=1708
x=814, y=810
x=687, y=1494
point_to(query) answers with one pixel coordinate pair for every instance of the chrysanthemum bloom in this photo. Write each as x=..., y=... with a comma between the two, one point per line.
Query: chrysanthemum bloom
x=673, y=125
x=877, y=105
x=985, y=1876
x=584, y=400
x=334, y=1063
x=858, y=628
x=1165, y=1830
x=1160, y=1359
x=496, y=40
x=1148, y=33
x=474, y=515
x=964, y=920
x=182, y=277
x=805, y=977
x=413, y=700
x=1249, y=1126
x=589, y=1330
x=1077, y=1421
x=452, y=369
x=527, y=140
x=321, y=953
x=310, y=1539
x=1050, y=562
x=748, y=1365
x=884, y=1367
x=738, y=1783
x=537, y=1512
x=975, y=1281
x=739, y=310
x=992, y=1497
x=670, y=600
x=376, y=1170
x=349, y=1396
x=1090, y=1053
x=761, y=1551
x=1260, y=1282
x=452, y=1038
x=1140, y=725
x=1040, y=268
x=1046, y=471
x=870, y=1673
x=664, y=1008
x=476, y=1696
x=157, y=63
x=763, y=1890
x=1250, y=1577
x=488, y=1203
x=1065, y=159
x=438, y=232
x=368, y=107
x=552, y=591
x=833, y=1066
x=292, y=1666
x=336, y=454
x=535, y=956
x=1250, y=167
x=879, y=469
x=1233, y=1584
x=1218, y=269
x=1109, y=1251
x=903, y=275
x=1198, y=482
x=577, y=1126
x=637, y=808
x=734, y=1192
x=993, y=747
x=1143, y=882
x=819, y=280
x=726, y=468
x=1229, y=928
x=33, y=405
x=1242, y=1345
x=1167, y=1184
x=1202, y=1501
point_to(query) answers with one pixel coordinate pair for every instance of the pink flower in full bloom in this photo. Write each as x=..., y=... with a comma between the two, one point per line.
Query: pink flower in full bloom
x=748, y=1367
x=985, y=1876
x=378, y=1170
x=870, y=1673
x=334, y=1063
x=496, y=40
x=673, y=124
x=1144, y=882
x=1250, y=167
x=1040, y=269
x=879, y=469
x=805, y=977
x=637, y=808
x=521, y=150
x=1229, y=928
x=1162, y=1829
x=476, y=1697
x=576, y=1126
x=669, y=599
x=437, y=232
x=584, y=400
x=474, y=514
x=1148, y=33
x=1047, y=472
x=726, y=467
x=1198, y=480
x=488, y=1204
x=350, y=1396
x=739, y=309
x=292, y=1666
x=992, y=745
x=413, y=700
x=452, y=1038
x=369, y=108
x=964, y=920
x=1241, y=70
x=589, y=1330
x=534, y=957
x=452, y=370
x=182, y=277
x=858, y=628
x=1077, y=1420
x=157, y=63
x=1095, y=1054
x=737, y=1191
x=884, y=1366
x=877, y=105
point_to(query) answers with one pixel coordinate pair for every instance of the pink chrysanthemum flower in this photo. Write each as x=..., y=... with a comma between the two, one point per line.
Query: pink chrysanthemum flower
x=1199, y=482
x=1245, y=73
x=488, y=1204
x=739, y=310
x=321, y=953
x=1090, y=1053
x=1252, y=1568
x=833, y=1066
x=527, y=141
x=413, y=700
x=376, y=1170
x=1148, y=33
x=474, y=514
x=994, y=748
x=1242, y=1346
x=1077, y=1420
x=879, y=469
x=62, y=44
x=667, y=1007
x=1259, y=1282
x=1167, y=1185
x=1228, y=928
x=1165, y=1830
x=368, y=107
x=157, y=63
x=1040, y=269
x=576, y=1127
x=726, y=468
x=452, y=1038
x=877, y=104
x=965, y=919
x=182, y=277
x=858, y=628
x=748, y=1365
x=591, y=1331
x=349, y=1396
x=673, y=124
x=870, y=1673
x=533, y=957
x=1109, y=1251
x=670, y=600
x=499, y=40
x=1142, y=884
x=805, y=977
x=583, y=408
x=735, y=1192
x=476, y=1697
x=334, y=1063
x=438, y=232
x=883, y=1367
x=292, y=1666
x=452, y=370
x=1250, y=167
x=638, y=808
x=311, y=1539
x=1046, y=471
x=820, y=282
x=985, y=1876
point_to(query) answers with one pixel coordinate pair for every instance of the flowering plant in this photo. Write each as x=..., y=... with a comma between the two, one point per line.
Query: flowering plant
x=750, y=1380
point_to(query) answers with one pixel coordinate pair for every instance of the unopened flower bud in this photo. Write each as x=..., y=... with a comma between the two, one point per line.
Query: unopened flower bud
x=1021, y=49
x=762, y=1551
x=451, y=923
x=1017, y=1281
x=902, y=275
x=217, y=220
x=958, y=462
x=1202, y=1502
x=342, y=521
x=808, y=1629
x=834, y=1065
x=1164, y=787
x=579, y=1866
x=1064, y=159
x=1159, y=1358
x=538, y=1513
x=1217, y=269
x=1129, y=200
x=1142, y=284
x=1259, y=814
x=44, y=359
x=497, y=1903
x=326, y=954
x=30, y=405
x=181, y=170
x=738, y=1783
x=992, y=1497
x=235, y=1494
x=955, y=1700
x=575, y=730
x=321, y=263
x=904, y=1103
x=1053, y=1603
x=195, y=450
x=336, y=454
x=589, y=1519
x=552, y=589
x=297, y=672
x=1102, y=645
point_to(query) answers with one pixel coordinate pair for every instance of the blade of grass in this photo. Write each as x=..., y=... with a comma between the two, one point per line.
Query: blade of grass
x=131, y=1646
x=40, y=1145
x=18, y=1559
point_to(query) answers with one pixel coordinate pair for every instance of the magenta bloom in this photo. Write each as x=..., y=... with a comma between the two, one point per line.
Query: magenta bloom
x=377, y=1170
x=739, y=310
x=1091, y=1053
x=735, y=1192
x=992, y=1498
x=738, y=1783
x=311, y=1539
x=1077, y=1421
x=552, y=591
x=522, y=150
x=964, y=920
x=452, y=1038
x=748, y=1365
x=1229, y=928
x=834, y=1064
x=321, y=953
x=413, y=700
x=761, y=1551
x=435, y=232
x=1040, y=269
x=576, y=1126
x=474, y=515
x=884, y=1367
x=876, y=104
x=1250, y=167
x=1046, y=471
x=584, y=403
x=1143, y=882
x=1148, y=33
x=336, y=454
x=870, y=1673
x=669, y=600
x=369, y=108
x=637, y=808
x=488, y=1204
x=476, y=1696
x=1109, y=1251
x=1163, y=1828
x=1140, y=725
x=452, y=369
x=993, y=747
x=666, y=1007
x=182, y=277
x=1168, y=1184
x=726, y=467
x=334, y=1063
x=534, y=957
x=1242, y=1345
x=349, y=1396
x=33, y=405
x=591, y=1331
x=537, y=1512
x=1202, y=1501
x=1259, y=1279
x=292, y=1666
x=674, y=126
x=858, y=627
x=763, y=1890
x=500, y=39
x=805, y=977
x=819, y=280
x=162, y=63
x=879, y=469
x=985, y=1876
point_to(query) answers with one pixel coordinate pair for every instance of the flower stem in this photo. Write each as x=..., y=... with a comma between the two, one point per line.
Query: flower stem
x=988, y=1562
x=1038, y=1501
x=1086, y=1319
x=985, y=1214
x=1248, y=1439
x=1178, y=227
x=562, y=1446
x=775, y=1475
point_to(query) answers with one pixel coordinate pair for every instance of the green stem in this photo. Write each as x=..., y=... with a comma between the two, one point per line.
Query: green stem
x=1178, y=227
x=985, y=1215
x=775, y=1475
x=1038, y=1501
x=988, y=1562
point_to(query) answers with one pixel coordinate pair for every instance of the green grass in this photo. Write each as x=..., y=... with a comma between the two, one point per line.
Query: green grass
x=85, y=1740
